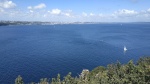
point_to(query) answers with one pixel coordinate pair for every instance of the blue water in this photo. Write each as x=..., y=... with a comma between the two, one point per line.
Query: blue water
x=38, y=51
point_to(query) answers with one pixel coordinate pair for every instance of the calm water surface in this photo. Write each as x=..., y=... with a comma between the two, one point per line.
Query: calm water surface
x=38, y=51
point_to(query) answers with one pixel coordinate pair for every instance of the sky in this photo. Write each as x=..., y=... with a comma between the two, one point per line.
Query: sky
x=75, y=10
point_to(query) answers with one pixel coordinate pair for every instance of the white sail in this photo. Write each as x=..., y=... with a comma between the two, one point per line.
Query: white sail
x=125, y=49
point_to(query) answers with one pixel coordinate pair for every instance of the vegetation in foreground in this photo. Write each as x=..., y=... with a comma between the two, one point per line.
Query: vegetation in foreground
x=129, y=73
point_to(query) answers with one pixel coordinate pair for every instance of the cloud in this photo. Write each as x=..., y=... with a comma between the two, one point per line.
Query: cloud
x=148, y=10
x=29, y=7
x=39, y=6
x=84, y=14
x=125, y=12
x=145, y=14
x=31, y=11
x=122, y=15
x=61, y=13
x=91, y=14
x=55, y=11
x=7, y=4
x=67, y=14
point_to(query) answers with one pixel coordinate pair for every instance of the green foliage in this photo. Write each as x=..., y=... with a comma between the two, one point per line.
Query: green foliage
x=44, y=81
x=68, y=79
x=97, y=70
x=19, y=80
x=129, y=73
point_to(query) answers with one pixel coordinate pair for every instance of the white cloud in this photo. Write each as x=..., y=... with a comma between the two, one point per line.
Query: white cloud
x=125, y=13
x=68, y=14
x=39, y=6
x=31, y=11
x=60, y=13
x=7, y=4
x=91, y=14
x=55, y=11
x=84, y=14
x=148, y=10
x=144, y=14
x=29, y=7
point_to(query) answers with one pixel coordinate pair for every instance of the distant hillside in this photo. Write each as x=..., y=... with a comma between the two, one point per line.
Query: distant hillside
x=5, y=23
x=129, y=73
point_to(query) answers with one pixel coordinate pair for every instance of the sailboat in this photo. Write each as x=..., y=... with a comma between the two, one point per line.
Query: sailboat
x=125, y=49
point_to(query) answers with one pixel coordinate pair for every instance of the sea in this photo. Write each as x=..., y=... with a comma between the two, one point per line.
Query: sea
x=43, y=51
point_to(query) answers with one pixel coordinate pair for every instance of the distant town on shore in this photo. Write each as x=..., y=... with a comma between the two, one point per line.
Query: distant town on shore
x=7, y=23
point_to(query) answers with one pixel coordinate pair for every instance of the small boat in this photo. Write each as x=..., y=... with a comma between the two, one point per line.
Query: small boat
x=125, y=49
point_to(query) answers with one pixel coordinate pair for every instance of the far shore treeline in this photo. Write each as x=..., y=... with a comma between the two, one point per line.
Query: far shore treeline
x=117, y=73
x=7, y=23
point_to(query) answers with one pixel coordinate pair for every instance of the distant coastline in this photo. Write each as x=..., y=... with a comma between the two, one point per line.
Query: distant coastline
x=7, y=23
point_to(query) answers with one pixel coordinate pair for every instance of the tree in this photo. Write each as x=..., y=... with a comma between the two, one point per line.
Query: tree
x=44, y=81
x=68, y=79
x=19, y=80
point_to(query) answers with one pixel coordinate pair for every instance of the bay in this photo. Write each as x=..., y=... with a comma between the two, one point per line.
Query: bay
x=43, y=51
